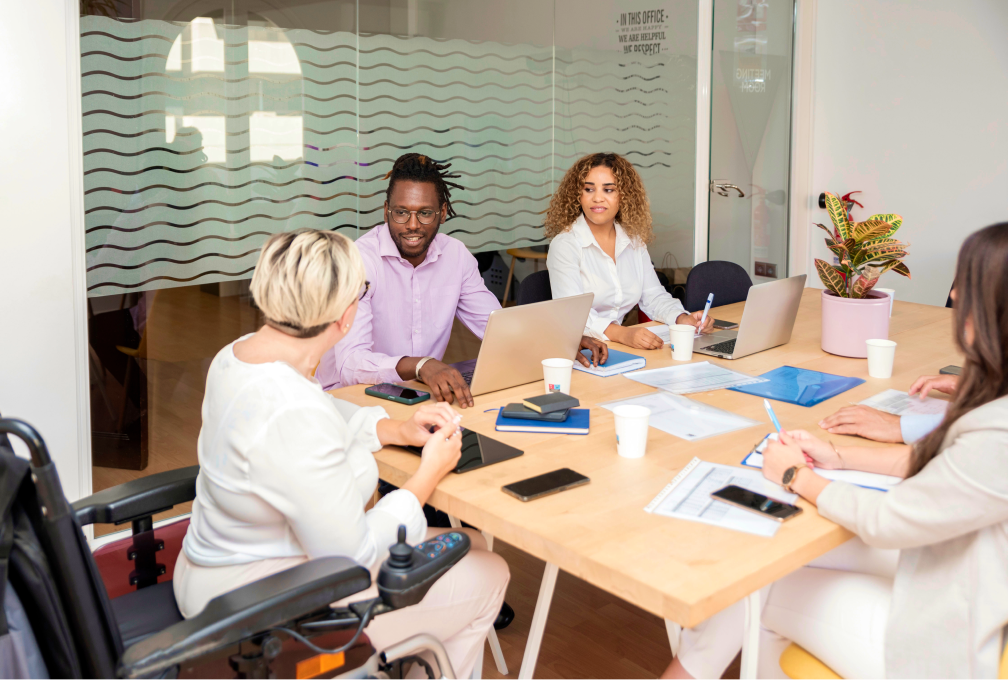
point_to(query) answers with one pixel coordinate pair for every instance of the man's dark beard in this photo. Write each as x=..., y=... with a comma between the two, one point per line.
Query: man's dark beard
x=425, y=245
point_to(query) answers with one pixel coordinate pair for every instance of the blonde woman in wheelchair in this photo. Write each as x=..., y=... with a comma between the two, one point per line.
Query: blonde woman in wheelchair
x=286, y=470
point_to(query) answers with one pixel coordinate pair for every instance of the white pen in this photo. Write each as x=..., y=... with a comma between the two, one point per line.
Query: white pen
x=710, y=299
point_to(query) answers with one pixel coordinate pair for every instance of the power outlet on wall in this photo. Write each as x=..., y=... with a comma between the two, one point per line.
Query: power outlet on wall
x=766, y=269
x=760, y=268
x=771, y=271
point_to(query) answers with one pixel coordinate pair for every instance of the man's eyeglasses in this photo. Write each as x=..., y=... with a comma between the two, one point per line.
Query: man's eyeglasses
x=424, y=216
x=367, y=287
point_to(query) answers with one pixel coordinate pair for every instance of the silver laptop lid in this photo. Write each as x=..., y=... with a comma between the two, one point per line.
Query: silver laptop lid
x=517, y=339
x=769, y=315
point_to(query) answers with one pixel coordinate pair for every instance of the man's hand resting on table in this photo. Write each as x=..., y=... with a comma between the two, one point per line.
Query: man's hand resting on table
x=599, y=352
x=445, y=383
x=864, y=421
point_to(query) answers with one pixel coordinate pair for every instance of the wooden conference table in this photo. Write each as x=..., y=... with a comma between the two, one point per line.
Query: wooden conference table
x=681, y=571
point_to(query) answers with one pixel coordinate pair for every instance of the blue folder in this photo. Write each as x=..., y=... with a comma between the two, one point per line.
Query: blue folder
x=577, y=423
x=799, y=386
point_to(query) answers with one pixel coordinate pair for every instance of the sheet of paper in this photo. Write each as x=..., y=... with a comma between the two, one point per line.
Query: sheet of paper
x=688, y=378
x=685, y=418
x=662, y=332
x=900, y=403
x=869, y=480
x=689, y=499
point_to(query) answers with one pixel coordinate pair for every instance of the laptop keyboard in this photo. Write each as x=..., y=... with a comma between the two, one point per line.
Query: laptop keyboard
x=726, y=347
x=467, y=376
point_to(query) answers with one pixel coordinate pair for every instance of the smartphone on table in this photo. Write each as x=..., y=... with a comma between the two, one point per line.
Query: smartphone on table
x=392, y=392
x=544, y=485
x=757, y=503
x=951, y=370
x=722, y=325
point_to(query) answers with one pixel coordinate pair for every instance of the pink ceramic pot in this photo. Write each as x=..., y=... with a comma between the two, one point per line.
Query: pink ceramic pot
x=847, y=323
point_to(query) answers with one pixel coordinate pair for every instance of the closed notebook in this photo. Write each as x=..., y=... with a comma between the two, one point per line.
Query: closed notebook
x=519, y=411
x=617, y=362
x=547, y=403
x=576, y=423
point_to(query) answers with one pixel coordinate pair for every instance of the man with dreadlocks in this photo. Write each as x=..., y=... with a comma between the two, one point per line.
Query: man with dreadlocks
x=420, y=280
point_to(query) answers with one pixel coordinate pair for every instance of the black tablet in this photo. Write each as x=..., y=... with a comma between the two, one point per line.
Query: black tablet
x=478, y=450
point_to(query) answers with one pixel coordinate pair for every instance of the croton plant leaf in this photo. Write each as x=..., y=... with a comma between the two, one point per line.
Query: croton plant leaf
x=839, y=249
x=831, y=277
x=901, y=269
x=895, y=221
x=880, y=251
x=865, y=283
x=870, y=229
x=838, y=213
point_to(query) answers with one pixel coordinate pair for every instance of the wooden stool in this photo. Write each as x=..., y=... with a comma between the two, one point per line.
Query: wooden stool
x=523, y=254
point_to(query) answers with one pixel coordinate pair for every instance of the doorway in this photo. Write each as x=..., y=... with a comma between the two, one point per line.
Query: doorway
x=750, y=124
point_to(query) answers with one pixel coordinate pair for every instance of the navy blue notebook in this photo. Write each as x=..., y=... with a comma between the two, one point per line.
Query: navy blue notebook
x=576, y=423
x=799, y=386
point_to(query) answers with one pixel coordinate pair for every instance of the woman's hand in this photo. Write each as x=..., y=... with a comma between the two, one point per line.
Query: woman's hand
x=637, y=337
x=781, y=455
x=417, y=430
x=817, y=452
x=866, y=422
x=946, y=384
x=694, y=320
x=442, y=451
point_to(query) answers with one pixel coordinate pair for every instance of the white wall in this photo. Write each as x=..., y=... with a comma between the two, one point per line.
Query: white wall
x=42, y=331
x=911, y=107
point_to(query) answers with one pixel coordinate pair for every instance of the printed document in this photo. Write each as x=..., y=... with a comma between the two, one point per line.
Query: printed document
x=688, y=497
x=900, y=404
x=685, y=418
x=688, y=378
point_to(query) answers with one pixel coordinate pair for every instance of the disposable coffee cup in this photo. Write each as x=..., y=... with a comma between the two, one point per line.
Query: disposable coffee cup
x=682, y=341
x=631, y=430
x=880, y=358
x=891, y=293
x=557, y=375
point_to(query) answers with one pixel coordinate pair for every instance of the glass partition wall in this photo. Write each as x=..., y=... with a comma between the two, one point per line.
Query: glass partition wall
x=210, y=125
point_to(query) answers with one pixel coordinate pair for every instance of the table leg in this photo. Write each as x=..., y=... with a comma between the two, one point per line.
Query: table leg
x=539, y=621
x=674, y=631
x=750, y=636
x=477, y=671
x=495, y=647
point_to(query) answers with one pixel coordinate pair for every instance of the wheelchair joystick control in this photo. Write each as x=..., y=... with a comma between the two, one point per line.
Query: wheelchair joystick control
x=400, y=554
x=409, y=572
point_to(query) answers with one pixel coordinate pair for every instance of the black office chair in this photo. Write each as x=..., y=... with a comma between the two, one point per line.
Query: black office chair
x=948, y=303
x=264, y=629
x=728, y=281
x=535, y=288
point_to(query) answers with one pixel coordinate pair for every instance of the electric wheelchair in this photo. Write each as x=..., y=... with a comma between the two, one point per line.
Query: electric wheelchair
x=279, y=626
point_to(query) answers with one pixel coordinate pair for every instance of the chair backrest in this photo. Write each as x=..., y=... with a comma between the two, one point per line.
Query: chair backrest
x=535, y=288
x=948, y=303
x=69, y=571
x=728, y=281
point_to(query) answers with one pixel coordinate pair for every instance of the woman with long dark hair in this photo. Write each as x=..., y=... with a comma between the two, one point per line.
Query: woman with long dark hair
x=922, y=590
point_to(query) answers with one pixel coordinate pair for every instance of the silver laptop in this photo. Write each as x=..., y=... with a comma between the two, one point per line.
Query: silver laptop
x=768, y=319
x=517, y=339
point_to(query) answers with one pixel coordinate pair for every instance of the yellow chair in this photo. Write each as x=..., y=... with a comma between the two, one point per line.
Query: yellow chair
x=797, y=663
x=520, y=254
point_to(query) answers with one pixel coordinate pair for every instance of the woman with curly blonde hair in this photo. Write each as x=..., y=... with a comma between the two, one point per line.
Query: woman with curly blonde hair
x=600, y=222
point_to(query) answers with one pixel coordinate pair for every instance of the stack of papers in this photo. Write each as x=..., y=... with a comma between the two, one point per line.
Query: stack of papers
x=688, y=378
x=685, y=418
x=616, y=362
x=869, y=480
x=687, y=497
x=900, y=403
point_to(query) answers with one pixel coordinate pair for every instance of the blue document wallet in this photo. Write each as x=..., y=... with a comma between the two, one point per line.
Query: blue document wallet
x=577, y=423
x=799, y=386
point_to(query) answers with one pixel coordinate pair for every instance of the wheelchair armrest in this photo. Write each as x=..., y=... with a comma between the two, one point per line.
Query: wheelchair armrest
x=276, y=600
x=140, y=498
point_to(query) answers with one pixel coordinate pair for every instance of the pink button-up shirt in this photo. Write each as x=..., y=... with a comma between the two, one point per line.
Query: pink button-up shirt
x=408, y=312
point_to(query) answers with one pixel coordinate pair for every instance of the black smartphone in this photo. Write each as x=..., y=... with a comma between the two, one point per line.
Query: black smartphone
x=724, y=325
x=755, y=502
x=951, y=370
x=544, y=485
x=403, y=395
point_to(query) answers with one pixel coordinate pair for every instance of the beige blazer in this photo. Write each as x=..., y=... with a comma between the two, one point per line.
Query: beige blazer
x=950, y=522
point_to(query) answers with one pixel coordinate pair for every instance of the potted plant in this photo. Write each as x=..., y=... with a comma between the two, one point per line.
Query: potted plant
x=851, y=311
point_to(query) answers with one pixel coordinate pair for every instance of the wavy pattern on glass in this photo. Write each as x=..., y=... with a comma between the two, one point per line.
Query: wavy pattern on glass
x=201, y=140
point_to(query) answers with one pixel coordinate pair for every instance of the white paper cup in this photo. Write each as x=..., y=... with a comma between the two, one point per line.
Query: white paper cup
x=631, y=430
x=557, y=375
x=880, y=358
x=890, y=292
x=682, y=341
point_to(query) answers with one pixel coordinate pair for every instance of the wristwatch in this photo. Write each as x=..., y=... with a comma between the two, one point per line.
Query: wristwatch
x=420, y=364
x=789, y=476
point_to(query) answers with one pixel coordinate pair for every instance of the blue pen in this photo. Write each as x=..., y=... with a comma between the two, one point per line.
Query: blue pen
x=710, y=299
x=773, y=416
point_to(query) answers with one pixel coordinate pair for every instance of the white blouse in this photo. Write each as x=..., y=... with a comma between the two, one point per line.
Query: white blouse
x=286, y=470
x=577, y=264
